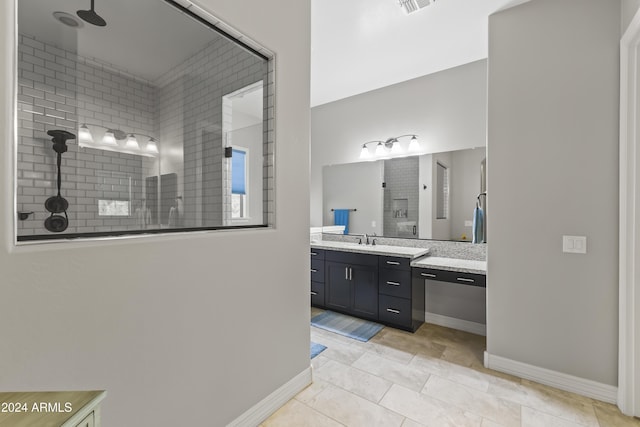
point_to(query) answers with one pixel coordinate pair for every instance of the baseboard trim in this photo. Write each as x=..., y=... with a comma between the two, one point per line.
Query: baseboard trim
x=267, y=406
x=453, y=323
x=582, y=386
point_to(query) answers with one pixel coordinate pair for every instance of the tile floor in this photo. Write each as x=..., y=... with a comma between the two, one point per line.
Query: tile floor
x=434, y=377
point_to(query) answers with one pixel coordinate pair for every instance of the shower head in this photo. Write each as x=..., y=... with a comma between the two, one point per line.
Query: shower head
x=92, y=17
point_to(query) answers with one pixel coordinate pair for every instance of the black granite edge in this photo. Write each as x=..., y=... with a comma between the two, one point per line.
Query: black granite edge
x=75, y=236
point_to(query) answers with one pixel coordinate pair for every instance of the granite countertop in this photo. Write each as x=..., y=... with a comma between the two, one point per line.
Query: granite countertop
x=388, y=250
x=452, y=264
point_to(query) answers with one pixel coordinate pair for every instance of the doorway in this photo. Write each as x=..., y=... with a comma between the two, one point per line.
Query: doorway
x=629, y=250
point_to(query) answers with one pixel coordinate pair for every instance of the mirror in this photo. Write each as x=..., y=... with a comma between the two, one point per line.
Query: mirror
x=431, y=196
x=172, y=120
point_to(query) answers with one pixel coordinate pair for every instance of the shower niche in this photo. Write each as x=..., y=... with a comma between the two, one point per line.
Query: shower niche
x=152, y=137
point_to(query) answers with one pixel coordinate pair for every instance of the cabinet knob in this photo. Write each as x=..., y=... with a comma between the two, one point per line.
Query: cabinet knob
x=314, y=293
x=464, y=279
x=391, y=310
x=428, y=275
x=393, y=263
x=393, y=283
x=313, y=270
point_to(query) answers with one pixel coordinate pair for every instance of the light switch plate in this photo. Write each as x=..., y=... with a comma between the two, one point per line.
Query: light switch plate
x=574, y=244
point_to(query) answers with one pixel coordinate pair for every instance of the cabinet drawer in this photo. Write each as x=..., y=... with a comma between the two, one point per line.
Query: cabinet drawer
x=394, y=310
x=317, y=270
x=394, y=262
x=470, y=279
x=317, y=294
x=351, y=258
x=395, y=283
x=316, y=253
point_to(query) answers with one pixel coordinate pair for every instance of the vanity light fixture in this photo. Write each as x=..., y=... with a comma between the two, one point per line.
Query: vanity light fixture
x=109, y=138
x=391, y=147
x=152, y=147
x=117, y=140
x=84, y=134
x=132, y=142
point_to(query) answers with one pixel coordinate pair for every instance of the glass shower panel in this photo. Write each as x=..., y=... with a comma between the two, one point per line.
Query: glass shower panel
x=47, y=100
x=150, y=132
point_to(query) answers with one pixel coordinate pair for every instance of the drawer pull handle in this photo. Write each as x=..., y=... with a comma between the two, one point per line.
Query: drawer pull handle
x=427, y=275
x=462, y=279
x=393, y=263
x=391, y=310
x=313, y=270
x=314, y=293
x=393, y=283
x=314, y=253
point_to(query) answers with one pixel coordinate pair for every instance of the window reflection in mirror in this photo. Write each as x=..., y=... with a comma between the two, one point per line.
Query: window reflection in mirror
x=156, y=100
x=442, y=191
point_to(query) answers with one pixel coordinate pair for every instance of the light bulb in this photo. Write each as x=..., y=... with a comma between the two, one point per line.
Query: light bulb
x=414, y=145
x=380, y=149
x=152, y=146
x=132, y=142
x=84, y=134
x=109, y=138
x=396, y=148
x=365, y=153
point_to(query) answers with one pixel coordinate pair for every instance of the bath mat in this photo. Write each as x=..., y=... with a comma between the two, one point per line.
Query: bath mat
x=316, y=349
x=352, y=327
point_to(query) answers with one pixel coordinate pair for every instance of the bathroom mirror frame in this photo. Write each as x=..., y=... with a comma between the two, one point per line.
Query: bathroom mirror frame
x=268, y=125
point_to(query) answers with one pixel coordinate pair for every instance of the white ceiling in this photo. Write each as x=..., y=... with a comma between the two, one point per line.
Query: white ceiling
x=362, y=45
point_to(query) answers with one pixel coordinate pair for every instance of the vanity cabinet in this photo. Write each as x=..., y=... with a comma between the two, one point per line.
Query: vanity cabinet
x=400, y=301
x=351, y=283
x=317, y=278
x=470, y=279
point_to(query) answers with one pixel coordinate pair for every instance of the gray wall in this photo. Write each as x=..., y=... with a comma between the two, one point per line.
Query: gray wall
x=447, y=110
x=629, y=9
x=553, y=170
x=142, y=316
x=355, y=186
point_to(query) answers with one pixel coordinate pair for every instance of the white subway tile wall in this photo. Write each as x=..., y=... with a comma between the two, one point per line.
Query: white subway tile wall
x=401, y=196
x=182, y=109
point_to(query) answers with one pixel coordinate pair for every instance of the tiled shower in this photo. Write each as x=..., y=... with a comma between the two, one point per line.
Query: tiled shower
x=107, y=189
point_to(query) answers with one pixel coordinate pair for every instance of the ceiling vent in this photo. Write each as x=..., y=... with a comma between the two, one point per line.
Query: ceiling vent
x=410, y=6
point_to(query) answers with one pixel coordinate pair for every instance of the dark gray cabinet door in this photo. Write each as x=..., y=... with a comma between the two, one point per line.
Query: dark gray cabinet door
x=364, y=282
x=337, y=286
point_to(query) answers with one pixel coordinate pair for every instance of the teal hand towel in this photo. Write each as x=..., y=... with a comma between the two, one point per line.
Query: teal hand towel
x=478, y=225
x=341, y=217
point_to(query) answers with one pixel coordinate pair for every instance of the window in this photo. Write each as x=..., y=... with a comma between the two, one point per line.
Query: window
x=148, y=137
x=239, y=189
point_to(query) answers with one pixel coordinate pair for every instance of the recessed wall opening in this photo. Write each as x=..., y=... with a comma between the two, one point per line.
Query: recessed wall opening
x=152, y=99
